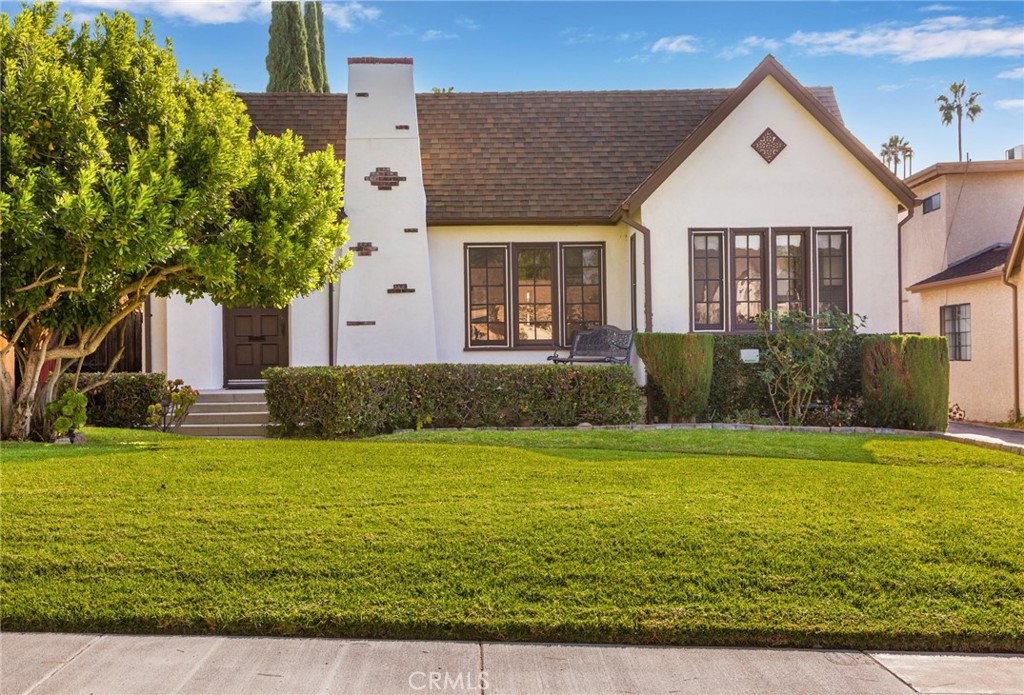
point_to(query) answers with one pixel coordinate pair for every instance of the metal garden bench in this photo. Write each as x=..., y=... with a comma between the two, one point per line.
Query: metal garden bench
x=605, y=344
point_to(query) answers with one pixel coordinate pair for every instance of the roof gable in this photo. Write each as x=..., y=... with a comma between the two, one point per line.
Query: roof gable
x=770, y=67
x=985, y=263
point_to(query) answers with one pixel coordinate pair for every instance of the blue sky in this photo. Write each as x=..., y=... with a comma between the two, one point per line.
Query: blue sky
x=886, y=60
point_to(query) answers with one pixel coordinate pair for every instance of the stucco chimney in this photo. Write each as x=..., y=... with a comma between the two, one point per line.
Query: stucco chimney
x=385, y=307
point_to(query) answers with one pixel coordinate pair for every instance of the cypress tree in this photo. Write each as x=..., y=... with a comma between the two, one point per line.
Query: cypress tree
x=314, y=44
x=287, y=60
x=324, y=86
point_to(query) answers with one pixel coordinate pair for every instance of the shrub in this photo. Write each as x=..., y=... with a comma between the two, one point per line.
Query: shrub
x=802, y=351
x=906, y=382
x=327, y=402
x=172, y=408
x=681, y=365
x=737, y=385
x=123, y=401
x=69, y=411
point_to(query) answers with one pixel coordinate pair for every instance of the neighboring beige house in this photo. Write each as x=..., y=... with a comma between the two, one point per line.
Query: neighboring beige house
x=954, y=249
x=490, y=227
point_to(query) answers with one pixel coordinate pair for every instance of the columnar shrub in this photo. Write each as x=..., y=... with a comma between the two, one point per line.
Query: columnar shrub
x=326, y=402
x=681, y=365
x=123, y=401
x=906, y=381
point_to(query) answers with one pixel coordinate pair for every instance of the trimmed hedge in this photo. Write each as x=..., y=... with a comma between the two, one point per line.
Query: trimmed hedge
x=906, y=382
x=329, y=402
x=123, y=401
x=681, y=364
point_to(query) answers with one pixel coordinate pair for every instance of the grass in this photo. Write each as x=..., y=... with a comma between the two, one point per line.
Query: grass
x=663, y=537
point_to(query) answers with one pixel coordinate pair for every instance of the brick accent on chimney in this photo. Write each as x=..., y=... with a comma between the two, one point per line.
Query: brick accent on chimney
x=384, y=179
x=365, y=248
x=412, y=230
x=400, y=289
x=360, y=323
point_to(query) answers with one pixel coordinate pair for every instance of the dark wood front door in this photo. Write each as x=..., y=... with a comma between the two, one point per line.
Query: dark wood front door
x=255, y=338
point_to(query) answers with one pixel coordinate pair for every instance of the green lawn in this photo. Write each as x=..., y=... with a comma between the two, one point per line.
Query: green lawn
x=663, y=537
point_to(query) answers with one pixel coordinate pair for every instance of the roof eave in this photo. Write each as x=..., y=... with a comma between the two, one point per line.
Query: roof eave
x=770, y=67
x=996, y=272
x=1013, y=260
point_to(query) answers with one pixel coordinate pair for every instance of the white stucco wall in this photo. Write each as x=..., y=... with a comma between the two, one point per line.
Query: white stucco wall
x=814, y=182
x=307, y=330
x=195, y=342
x=447, y=255
x=402, y=329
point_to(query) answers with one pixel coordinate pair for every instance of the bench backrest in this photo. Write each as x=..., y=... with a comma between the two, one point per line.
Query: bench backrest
x=604, y=341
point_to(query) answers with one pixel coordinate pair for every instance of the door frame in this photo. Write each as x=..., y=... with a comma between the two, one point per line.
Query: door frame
x=285, y=354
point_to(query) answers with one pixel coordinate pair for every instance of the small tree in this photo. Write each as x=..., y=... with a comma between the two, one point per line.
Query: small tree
x=958, y=104
x=802, y=352
x=122, y=178
x=287, y=52
x=313, y=15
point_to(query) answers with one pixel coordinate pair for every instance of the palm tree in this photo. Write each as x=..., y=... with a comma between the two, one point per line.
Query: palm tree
x=956, y=104
x=892, y=151
x=908, y=158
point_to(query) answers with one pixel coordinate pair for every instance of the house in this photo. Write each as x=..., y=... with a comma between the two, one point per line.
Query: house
x=489, y=227
x=961, y=263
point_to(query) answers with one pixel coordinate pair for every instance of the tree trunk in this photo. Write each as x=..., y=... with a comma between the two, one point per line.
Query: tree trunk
x=959, y=138
x=18, y=426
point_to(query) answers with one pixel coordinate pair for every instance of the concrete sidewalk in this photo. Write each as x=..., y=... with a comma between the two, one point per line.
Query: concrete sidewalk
x=988, y=436
x=73, y=663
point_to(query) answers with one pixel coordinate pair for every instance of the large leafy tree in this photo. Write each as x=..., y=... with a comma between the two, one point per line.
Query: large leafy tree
x=123, y=178
x=313, y=14
x=287, y=56
x=958, y=104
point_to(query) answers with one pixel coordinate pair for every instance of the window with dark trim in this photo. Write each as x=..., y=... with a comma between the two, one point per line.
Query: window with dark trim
x=532, y=295
x=833, y=271
x=708, y=285
x=487, y=300
x=790, y=270
x=932, y=203
x=956, y=326
x=748, y=290
x=583, y=288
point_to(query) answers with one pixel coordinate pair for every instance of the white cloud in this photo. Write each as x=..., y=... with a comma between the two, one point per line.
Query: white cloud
x=574, y=36
x=1015, y=74
x=936, y=8
x=437, y=35
x=630, y=36
x=676, y=44
x=350, y=14
x=930, y=39
x=198, y=11
x=749, y=44
x=890, y=87
x=467, y=23
x=1010, y=104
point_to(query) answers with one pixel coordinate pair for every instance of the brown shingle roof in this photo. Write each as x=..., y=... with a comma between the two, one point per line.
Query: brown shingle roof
x=985, y=260
x=522, y=155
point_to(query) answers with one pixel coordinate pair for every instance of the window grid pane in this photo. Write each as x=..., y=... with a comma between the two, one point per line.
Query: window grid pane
x=833, y=288
x=955, y=322
x=584, y=295
x=707, y=281
x=488, y=297
x=790, y=275
x=535, y=303
x=748, y=283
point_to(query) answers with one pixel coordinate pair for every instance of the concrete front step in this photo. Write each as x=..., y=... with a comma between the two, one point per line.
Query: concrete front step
x=229, y=407
x=231, y=395
x=254, y=417
x=223, y=430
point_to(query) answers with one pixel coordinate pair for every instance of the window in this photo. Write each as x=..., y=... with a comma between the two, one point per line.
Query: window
x=956, y=326
x=583, y=288
x=707, y=281
x=790, y=274
x=736, y=274
x=527, y=295
x=932, y=203
x=748, y=260
x=488, y=297
x=833, y=265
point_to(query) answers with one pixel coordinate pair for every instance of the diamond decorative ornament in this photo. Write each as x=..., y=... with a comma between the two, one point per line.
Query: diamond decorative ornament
x=768, y=145
x=384, y=179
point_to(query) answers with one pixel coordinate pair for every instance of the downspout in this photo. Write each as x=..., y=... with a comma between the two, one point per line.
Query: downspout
x=1016, y=350
x=899, y=262
x=330, y=324
x=648, y=313
x=147, y=334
